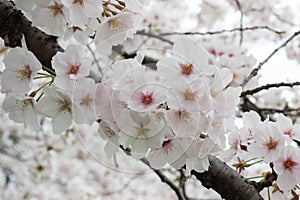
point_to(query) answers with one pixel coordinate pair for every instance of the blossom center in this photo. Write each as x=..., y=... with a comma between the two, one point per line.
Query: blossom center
x=108, y=132
x=186, y=69
x=217, y=95
x=64, y=106
x=271, y=143
x=141, y=131
x=147, y=98
x=56, y=9
x=184, y=115
x=80, y=2
x=190, y=95
x=75, y=68
x=25, y=73
x=86, y=101
x=24, y=104
x=289, y=164
x=115, y=24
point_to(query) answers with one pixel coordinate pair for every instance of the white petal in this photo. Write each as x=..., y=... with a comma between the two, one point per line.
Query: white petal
x=61, y=122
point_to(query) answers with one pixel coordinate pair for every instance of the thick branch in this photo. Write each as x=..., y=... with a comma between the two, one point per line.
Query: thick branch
x=227, y=182
x=13, y=24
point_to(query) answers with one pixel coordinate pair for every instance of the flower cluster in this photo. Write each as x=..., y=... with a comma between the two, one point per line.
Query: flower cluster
x=273, y=142
x=233, y=58
x=108, y=22
x=176, y=112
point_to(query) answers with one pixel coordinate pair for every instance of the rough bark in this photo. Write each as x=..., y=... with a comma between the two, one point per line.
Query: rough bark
x=220, y=177
x=227, y=182
x=13, y=24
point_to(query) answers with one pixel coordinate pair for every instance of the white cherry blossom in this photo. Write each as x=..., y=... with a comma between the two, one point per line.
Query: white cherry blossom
x=57, y=105
x=51, y=15
x=82, y=10
x=22, y=110
x=20, y=68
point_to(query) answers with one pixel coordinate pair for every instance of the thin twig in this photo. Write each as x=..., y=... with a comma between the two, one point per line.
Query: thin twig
x=154, y=36
x=95, y=59
x=268, y=86
x=253, y=28
x=161, y=175
x=255, y=71
x=241, y=20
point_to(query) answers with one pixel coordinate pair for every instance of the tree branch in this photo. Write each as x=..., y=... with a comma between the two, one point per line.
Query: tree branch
x=225, y=31
x=13, y=24
x=268, y=86
x=241, y=20
x=149, y=34
x=161, y=175
x=255, y=71
x=227, y=182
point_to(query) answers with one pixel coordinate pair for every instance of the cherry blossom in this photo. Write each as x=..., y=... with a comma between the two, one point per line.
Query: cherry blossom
x=285, y=126
x=115, y=30
x=140, y=132
x=57, y=105
x=171, y=151
x=288, y=168
x=54, y=12
x=22, y=110
x=70, y=66
x=189, y=60
x=81, y=10
x=268, y=143
x=109, y=132
x=19, y=73
x=147, y=97
x=84, y=101
x=192, y=97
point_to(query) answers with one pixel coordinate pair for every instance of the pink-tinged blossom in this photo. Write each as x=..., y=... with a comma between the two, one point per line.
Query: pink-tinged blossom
x=286, y=127
x=147, y=97
x=51, y=15
x=22, y=110
x=69, y=66
x=20, y=68
x=83, y=97
x=188, y=62
x=82, y=10
x=235, y=146
x=252, y=122
x=287, y=166
x=57, y=105
x=267, y=142
x=115, y=30
x=172, y=152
